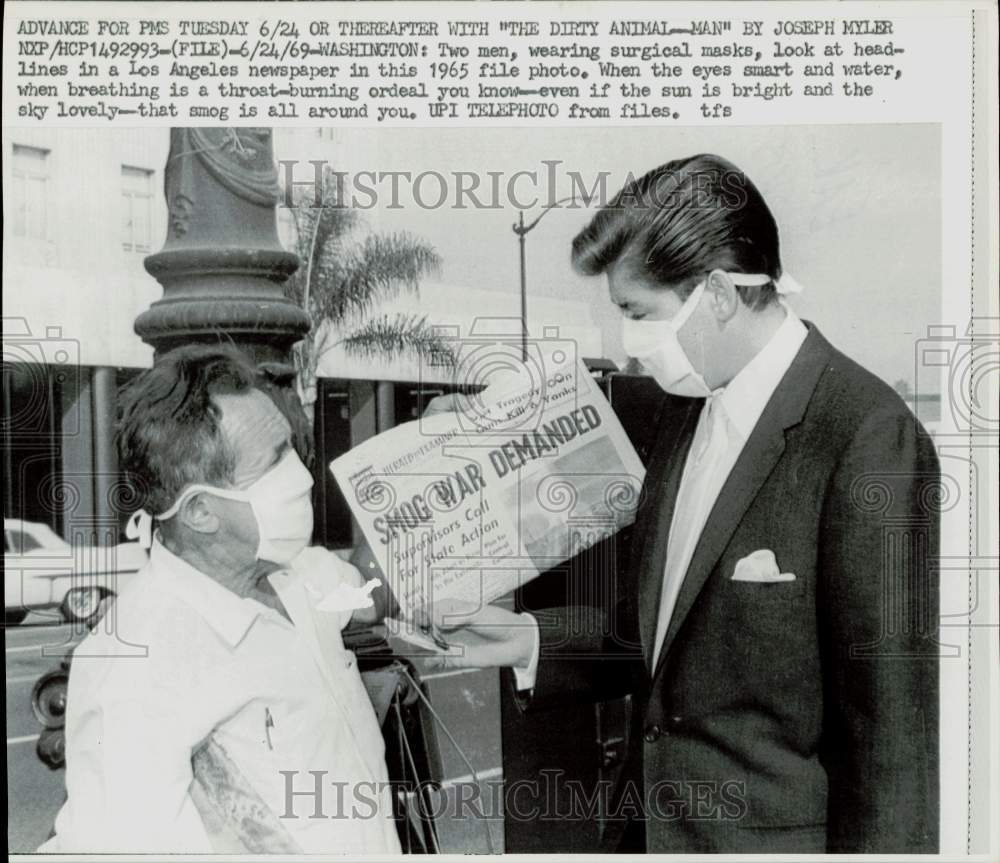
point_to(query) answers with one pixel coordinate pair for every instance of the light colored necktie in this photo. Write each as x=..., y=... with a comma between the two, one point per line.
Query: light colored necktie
x=707, y=451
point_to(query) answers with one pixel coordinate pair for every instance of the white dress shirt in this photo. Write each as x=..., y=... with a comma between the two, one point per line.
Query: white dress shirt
x=724, y=426
x=189, y=663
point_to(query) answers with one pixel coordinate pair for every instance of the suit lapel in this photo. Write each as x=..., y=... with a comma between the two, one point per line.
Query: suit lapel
x=761, y=453
x=660, y=490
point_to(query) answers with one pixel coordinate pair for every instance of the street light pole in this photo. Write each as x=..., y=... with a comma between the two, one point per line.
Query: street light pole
x=521, y=230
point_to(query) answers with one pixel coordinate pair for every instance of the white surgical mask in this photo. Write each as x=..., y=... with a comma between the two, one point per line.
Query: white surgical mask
x=656, y=346
x=281, y=504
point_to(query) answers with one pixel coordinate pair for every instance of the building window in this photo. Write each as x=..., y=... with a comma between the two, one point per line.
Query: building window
x=137, y=209
x=30, y=183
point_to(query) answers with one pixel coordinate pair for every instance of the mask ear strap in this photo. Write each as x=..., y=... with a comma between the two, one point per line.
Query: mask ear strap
x=784, y=285
x=140, y=523
x=140, y=527
x=787, y=285
x=176, y=505
x=690, y=304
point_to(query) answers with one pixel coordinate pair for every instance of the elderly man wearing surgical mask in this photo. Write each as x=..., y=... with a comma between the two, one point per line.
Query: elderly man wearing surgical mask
x=223, y=711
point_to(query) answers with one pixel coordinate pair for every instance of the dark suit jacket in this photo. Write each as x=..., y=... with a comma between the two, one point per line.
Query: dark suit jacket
x=796, y=716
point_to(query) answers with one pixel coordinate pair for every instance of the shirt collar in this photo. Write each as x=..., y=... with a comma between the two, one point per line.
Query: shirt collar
x=746, y=395
x=230, y=615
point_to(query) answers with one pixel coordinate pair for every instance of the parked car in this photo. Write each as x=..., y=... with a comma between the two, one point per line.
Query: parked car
x=43, y=572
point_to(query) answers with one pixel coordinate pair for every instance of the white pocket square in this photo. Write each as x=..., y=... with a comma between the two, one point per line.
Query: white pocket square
x=762, y=567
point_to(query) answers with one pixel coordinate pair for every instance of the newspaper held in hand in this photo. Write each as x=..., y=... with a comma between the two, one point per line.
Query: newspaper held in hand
x=474, y=503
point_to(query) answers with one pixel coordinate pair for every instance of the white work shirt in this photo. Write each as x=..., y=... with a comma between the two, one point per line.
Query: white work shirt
x=714, y=451
x=281, y=708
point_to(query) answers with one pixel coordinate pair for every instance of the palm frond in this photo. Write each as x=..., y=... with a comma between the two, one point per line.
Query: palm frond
x=396, y=336
x=342, y=278
x=320, y=237
x=378, y=269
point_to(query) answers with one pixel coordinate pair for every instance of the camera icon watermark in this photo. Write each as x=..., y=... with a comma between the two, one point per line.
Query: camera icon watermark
x=506, y=377
x=38, y=368
x=970, y=364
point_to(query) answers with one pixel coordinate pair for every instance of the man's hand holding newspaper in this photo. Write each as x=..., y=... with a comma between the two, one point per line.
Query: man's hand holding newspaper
x=484, y=636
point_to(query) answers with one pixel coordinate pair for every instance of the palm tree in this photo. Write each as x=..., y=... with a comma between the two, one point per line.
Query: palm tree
x=343, y=276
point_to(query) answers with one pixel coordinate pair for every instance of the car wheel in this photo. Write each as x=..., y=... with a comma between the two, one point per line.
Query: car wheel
x=81, y=604
x=48, y=698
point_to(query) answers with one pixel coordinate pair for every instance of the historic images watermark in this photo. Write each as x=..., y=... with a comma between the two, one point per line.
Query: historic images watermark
x=549, y=185
x=550, y=797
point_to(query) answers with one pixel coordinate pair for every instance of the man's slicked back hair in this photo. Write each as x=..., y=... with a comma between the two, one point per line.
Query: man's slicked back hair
x=682, y=220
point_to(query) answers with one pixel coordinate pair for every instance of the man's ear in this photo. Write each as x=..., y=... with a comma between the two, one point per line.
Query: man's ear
x=197, y=514
x=723, y=298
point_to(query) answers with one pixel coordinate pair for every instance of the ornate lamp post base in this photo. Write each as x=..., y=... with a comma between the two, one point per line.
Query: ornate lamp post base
x=224, y=293
x=222, y=265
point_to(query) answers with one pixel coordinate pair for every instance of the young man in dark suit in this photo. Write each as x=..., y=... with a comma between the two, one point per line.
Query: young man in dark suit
x=776, y=622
